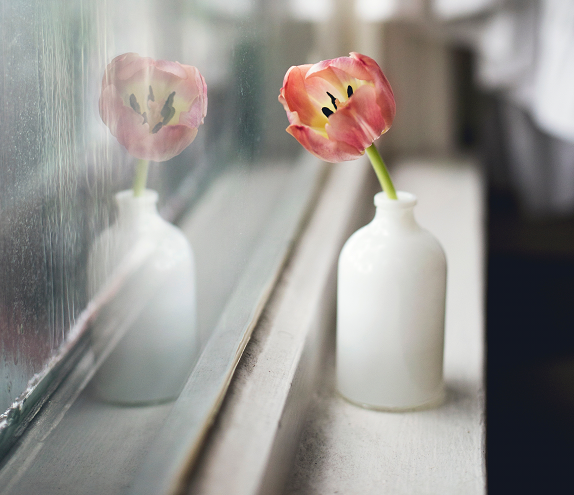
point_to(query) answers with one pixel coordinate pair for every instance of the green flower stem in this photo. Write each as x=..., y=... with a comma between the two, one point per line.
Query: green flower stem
x=381, y=171
x=140, y=178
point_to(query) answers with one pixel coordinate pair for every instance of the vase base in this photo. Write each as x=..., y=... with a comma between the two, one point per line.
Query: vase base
x=435, y=401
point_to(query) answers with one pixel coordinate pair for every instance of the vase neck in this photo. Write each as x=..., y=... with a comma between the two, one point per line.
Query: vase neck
x=131, y=208
x=396, y=212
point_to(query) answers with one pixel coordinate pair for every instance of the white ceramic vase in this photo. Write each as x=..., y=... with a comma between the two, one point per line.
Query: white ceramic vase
x=390, y=311
x=153, y=359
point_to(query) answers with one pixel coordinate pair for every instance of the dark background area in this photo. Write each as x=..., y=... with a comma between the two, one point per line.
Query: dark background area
x=529, y=303
x=530, y=360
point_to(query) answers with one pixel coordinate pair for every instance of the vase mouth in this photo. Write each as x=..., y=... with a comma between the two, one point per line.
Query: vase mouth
x=404, y=200
x=148, y=196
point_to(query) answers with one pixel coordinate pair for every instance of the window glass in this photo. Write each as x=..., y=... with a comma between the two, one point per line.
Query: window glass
x=60, y=167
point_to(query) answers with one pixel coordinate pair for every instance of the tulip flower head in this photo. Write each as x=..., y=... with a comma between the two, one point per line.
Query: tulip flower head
x=337, y=108
x=153, y=107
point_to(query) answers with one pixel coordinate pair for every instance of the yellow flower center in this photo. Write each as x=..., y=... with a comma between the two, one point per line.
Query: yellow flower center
x=154, y=116
x=327, y=111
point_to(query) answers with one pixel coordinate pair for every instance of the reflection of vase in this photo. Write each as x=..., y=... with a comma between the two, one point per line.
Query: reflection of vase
x=153, y=359
x=390, y=311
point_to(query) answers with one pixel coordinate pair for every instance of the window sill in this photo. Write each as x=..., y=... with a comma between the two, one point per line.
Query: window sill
x=283, y=428
x=241, y=230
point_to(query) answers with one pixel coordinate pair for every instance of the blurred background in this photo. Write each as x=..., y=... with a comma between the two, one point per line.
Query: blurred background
x=494, y=79
x=489, y=78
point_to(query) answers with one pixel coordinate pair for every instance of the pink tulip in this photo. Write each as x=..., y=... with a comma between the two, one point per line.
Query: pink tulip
x=152, y=107
x=338, y=107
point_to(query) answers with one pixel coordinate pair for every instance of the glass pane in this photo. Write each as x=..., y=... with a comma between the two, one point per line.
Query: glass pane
x=239, y=189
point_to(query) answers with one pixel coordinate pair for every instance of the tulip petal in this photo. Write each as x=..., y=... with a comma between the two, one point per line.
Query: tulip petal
x=170, y=141
x=173, y=68
x=359, y=122
x=193, y=118
x=293, y=117
x=200, y=81
x=385, y=97
x=321, y=86
x=296, y=97
x=348, y=65
x=115, y=114
x=322, y=147
x=123, y=69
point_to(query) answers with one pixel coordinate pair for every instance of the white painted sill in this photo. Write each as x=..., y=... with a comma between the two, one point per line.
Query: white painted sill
x=242, y=230
x=283, y=429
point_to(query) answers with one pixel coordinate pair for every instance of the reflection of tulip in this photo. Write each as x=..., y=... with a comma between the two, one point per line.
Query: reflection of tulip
x=338, y=107
x=153, y=108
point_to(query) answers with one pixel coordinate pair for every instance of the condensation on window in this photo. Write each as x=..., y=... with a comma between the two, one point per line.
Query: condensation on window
x=60, y=167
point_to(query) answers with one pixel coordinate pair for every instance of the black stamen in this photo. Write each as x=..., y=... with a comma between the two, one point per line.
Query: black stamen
x=168, y=117
x=327, y=112
x=144, y=115
x=134, y=104
x=150, y=96
x=349, y=91
x=168, y=111
x=333, y=100
x=157, y=127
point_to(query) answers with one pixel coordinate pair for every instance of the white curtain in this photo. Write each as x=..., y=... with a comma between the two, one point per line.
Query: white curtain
x=525, y=53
